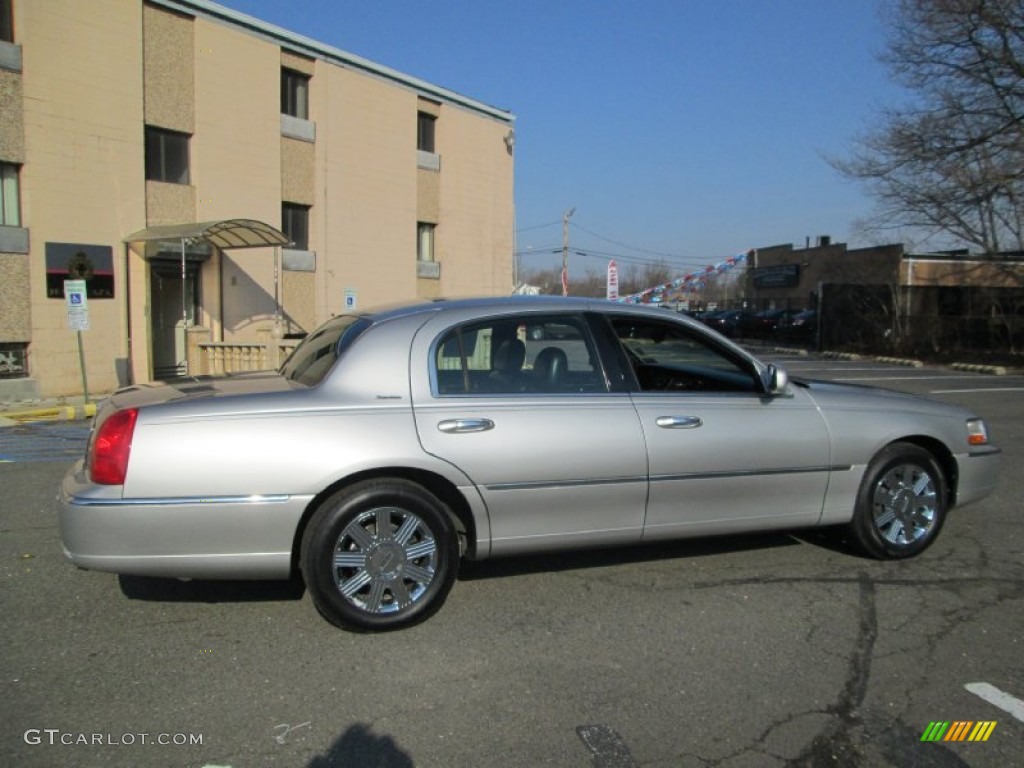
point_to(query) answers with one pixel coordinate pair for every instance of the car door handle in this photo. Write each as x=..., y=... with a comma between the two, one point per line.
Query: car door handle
x=679, y=422
x=452, y=426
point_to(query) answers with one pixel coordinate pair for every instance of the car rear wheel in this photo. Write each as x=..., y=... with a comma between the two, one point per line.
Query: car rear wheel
x=901, y=505
x=379, y=555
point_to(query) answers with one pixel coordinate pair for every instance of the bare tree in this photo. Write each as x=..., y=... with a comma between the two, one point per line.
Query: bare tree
x=594, y=283
x=952, y=162
x=634, y=279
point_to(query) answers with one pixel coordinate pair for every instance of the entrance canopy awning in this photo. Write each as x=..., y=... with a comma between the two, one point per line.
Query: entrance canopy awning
x=224, y=234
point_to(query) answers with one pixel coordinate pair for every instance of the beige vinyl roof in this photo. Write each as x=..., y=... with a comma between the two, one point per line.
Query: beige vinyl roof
x=226, y=233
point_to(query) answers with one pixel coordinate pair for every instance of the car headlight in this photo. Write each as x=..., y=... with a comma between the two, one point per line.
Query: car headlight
x=977, y=432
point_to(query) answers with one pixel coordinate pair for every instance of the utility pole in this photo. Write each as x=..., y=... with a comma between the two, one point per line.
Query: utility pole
x=565, y=250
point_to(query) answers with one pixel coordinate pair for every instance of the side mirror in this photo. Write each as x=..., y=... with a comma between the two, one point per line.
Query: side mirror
x=775, y=379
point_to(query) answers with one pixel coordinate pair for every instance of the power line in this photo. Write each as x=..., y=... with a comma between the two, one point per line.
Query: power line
x=669, y=260
x=538, y=226
x=577, y=225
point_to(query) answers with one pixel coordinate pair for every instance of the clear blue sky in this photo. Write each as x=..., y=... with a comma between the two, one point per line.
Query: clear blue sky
x=690, y=128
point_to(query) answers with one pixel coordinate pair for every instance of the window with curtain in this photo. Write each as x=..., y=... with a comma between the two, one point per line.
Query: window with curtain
x=294, y=94
x=10, y=208
x=425, y=124
x=424, y=241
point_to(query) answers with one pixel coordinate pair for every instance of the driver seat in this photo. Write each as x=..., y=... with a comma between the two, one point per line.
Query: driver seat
x=549, y=370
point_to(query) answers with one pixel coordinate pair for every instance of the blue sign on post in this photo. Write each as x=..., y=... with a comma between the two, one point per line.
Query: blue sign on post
x=78, y=320
x=77, y=305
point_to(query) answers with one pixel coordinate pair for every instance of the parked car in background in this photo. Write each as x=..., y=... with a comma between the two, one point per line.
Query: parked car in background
x=765, y=324
x=395, y=442
x=800, y=327
x=734, y=323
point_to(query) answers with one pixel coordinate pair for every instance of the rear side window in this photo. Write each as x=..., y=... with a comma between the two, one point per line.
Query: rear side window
x=518, y=355
x=317, y=353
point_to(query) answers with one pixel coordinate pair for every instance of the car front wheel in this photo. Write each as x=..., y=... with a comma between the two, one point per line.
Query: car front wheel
x=379, y=555
x=901, y=505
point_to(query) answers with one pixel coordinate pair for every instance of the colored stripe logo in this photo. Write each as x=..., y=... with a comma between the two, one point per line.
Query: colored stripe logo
x=959, y=730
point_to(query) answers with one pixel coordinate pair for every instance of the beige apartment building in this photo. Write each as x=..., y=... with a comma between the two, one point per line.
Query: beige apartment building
x=213, y=177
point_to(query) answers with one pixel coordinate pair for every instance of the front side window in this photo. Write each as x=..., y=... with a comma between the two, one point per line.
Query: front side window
x=10, y=207
x=295, y=224
x=294, y=94
x=518, y=355
x=425, y=124
x=671, y=357
x=167, y=156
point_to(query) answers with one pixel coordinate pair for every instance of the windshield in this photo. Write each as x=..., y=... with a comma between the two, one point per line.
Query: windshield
x=316, y=355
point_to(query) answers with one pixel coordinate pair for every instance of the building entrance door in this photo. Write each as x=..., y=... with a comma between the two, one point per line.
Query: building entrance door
x=167, y=319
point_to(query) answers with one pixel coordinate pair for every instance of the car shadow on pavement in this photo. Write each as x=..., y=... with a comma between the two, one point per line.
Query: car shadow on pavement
x=208, y=591
x=359, y=746
x=835, y=539
x=155, y=589
x=638, y=553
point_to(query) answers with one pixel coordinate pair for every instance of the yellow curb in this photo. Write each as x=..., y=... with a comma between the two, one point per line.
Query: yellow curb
x=55, y=413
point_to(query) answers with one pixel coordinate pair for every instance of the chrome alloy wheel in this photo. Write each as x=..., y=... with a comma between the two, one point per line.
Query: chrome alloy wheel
x=904, y=504
x=385, y=559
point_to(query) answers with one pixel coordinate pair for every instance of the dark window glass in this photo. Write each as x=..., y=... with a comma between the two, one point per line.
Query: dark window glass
x=671, y=357
x=294, y=94
x=295, y=224
x=166, y=156
x=315, y=356
x=425, y=132
x=6, y=21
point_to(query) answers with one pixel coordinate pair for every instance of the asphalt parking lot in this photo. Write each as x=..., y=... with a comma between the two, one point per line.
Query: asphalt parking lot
x=779, y=650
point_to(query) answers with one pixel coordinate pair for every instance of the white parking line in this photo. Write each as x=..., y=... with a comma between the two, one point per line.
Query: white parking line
x=979, y=389
x=902, y=378
x=998, y=698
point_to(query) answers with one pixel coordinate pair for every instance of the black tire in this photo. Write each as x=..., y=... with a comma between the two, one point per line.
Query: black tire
x=901, y=504
x=380, y=555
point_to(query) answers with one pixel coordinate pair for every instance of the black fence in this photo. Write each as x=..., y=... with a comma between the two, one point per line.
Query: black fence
x=930, y=322
x=923, y=321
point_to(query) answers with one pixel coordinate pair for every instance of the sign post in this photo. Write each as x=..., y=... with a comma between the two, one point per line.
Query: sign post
x=612, y=293
x=78, y=321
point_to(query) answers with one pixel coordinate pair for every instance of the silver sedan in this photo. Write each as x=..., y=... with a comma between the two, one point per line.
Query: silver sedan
x=393, y=443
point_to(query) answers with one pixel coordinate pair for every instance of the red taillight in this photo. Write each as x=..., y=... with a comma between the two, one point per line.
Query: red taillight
x=110, y=449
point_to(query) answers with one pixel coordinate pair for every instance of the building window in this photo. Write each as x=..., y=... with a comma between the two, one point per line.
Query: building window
x=10, y=210
x=424, y=242
x=6, y=21
x=425, y=124
x=166, y=156
x=295, y=224
x=13, y=360
x=294, y=94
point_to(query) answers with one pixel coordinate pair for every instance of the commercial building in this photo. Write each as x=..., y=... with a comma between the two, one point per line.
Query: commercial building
x=883, y=296
x=141, y=141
